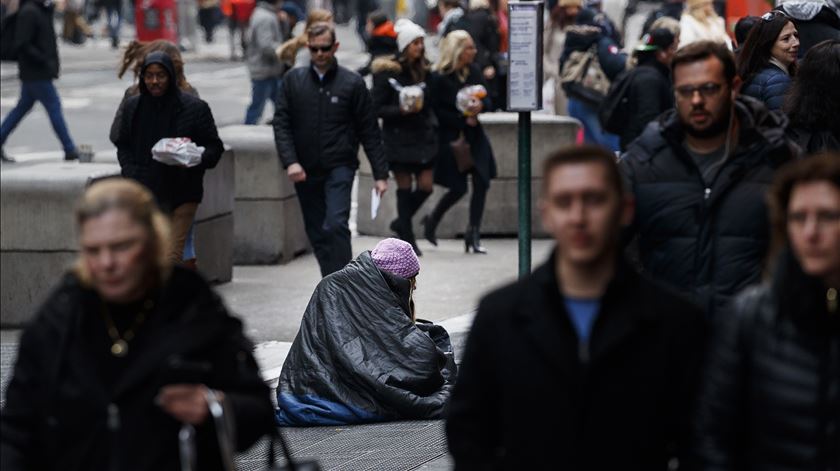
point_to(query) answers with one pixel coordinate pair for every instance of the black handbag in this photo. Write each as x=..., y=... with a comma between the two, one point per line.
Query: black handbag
x=463, y=154
x=186, y=440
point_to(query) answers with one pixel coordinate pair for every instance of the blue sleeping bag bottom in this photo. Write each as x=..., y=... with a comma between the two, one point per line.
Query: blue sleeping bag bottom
x=296, y=411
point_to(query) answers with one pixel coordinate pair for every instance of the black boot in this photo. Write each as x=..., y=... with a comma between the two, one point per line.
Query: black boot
x=430, y=223
x=472, y=240
x=402, y=225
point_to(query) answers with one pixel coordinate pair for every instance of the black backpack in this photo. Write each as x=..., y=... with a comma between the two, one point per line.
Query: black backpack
x=614, y=112
x=7, y=38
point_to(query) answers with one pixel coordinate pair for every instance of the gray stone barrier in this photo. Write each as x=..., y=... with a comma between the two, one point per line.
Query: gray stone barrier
x=268, y=223
x=38, y=239
x=548, y=133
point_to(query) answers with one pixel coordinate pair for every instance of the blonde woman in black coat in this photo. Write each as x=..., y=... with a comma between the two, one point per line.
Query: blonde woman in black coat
x=456, y=70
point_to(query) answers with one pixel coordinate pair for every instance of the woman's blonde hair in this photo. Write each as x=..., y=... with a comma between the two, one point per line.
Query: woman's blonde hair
x=478, y=4
x=698, y=9
x=666, y=22
x=451, y=48
x=139, y=204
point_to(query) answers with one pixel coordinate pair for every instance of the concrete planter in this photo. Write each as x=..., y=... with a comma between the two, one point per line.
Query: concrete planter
x=268, y=226
x=38, y=241
x=549, y=133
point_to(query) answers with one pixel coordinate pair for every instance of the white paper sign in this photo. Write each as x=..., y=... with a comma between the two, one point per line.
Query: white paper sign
x=525, y=73
x=374, y=203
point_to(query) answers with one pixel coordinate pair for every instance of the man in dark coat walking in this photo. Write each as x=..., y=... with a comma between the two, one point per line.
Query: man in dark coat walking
x=162, y=111
x=699, y=174
x=649, y=92
x=585, y=346
x=37, y=57
x=324, y=111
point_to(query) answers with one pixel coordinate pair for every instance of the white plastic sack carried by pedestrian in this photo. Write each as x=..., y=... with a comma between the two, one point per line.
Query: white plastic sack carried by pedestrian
x=468, y=97
x=411, y=96
x=178, y=151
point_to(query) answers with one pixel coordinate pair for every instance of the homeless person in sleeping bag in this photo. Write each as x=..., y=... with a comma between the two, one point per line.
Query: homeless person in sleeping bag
x=359, y=355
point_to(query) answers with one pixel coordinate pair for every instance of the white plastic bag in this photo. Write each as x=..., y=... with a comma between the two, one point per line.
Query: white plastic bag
x=468, y=97
x=178, y=151
x=411, y=96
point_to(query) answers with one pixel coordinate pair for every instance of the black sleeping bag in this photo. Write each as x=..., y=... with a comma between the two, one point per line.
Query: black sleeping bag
x=359, y=358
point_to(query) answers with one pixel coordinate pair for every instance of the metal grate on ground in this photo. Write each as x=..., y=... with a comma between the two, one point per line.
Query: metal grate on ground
x=386, y=446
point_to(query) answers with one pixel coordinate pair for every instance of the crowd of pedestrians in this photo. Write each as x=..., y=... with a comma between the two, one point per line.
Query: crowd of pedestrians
x=685, y=319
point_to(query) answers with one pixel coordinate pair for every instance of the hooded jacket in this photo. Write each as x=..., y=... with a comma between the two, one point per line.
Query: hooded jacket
x=319, y=124
x=185, y=116
x=35, y=41
x=708, y=242
x=771, y=394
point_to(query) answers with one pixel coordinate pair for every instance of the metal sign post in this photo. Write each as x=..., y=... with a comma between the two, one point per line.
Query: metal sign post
x=524, y=91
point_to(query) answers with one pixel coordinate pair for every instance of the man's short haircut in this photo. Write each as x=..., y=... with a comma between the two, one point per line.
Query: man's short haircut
x=320, y=28
x=451, y=3
x=824, y=167
x=702, y=50
x=586, y=154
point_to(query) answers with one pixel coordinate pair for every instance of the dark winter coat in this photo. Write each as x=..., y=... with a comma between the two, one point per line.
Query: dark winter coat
x=34, y=43
x=67, y=387
x=812, y=141
x=650, y=94
x=621, y=402
x=319, y=124
x=358, y=357
x=408, y=138
x=769, y=85
x=708, y=242
x=192, y=118
x=444, y=89
x=771, y=394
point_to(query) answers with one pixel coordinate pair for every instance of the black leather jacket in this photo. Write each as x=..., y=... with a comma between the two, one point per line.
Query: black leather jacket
x=771, y=396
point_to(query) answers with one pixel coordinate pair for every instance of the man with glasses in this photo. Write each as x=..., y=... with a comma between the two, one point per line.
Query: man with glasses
x=323, y=112
x=699, y=174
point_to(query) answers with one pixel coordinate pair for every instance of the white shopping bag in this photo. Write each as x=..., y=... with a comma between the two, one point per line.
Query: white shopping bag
x=178, y=151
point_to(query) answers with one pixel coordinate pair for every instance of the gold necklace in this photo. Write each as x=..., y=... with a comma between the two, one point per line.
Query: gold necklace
x=119, y=343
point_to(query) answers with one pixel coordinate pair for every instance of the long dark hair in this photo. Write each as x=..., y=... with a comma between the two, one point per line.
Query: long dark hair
x=755, y=52
x=814, y=97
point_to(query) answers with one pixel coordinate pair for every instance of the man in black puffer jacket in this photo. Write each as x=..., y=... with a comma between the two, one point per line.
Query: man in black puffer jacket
x=699, y=174
x=323, y=112
x=162, y=111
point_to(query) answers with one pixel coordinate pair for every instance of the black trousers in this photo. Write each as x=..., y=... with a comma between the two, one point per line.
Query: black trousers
x=325, y=203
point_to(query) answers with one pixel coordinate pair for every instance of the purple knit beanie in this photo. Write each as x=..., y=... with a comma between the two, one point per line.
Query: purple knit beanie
x=397, y=257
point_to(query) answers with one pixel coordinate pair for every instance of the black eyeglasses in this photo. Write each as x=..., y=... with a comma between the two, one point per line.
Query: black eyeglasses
x=706, y=90
x=315, y=49
x=772, y=15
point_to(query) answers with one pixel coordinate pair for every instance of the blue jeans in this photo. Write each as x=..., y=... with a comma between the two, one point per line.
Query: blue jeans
x=45, y=92
x=325, y=203
x=261, y=90
x=113, y=16
x=592, y=131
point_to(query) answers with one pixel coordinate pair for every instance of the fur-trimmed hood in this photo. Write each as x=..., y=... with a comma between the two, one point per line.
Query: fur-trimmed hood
x=385, y=64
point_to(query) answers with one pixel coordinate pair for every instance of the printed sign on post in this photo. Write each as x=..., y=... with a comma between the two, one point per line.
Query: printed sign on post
x=525, y=50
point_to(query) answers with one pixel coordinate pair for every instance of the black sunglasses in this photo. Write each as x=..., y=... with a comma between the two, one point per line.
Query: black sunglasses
x=315, y=49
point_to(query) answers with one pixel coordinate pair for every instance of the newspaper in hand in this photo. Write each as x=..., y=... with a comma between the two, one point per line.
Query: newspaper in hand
x=178, y=151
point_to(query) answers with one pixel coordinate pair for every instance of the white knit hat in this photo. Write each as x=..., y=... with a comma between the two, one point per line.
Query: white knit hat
x=407, y=31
